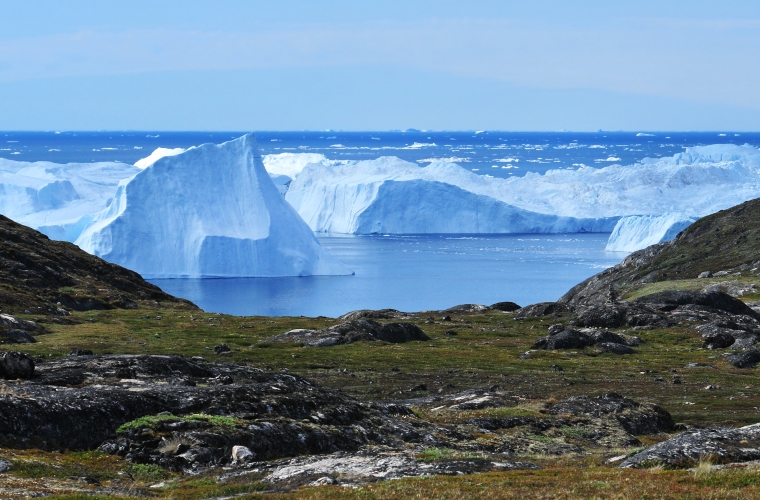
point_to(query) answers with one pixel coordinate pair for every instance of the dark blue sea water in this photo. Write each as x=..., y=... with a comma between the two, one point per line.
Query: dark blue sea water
x=409, y=273
x=500, y=154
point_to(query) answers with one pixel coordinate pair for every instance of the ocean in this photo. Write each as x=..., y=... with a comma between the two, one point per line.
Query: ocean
x=499, y=154
x=410, y=273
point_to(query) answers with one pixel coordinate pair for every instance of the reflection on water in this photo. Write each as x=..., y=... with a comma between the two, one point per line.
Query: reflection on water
x=413, y=273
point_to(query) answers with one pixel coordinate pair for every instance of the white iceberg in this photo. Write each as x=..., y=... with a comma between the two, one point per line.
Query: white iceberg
x=211, y=211
x=368, y=196
x=640, y=231
x=291, y=164
x=389, y=195
x=156, y=155
x=58, y=199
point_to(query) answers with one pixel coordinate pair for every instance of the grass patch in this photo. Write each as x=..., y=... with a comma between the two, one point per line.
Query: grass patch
x=154, y=421
x=147, y=472
x=439, y=454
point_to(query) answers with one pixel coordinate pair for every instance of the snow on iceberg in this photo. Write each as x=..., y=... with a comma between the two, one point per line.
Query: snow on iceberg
x=291, y=164
x=640, y=231
x=157, y=155
x=211, y=211
x=350, y=197
x=58, y=199
x=389, y=195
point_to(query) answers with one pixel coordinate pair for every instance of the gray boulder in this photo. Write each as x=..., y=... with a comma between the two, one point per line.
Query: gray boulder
x=615, y=348
x=600, y=336
x=618, y=315
x=746, y=359
x=543, y=309
x=14, y=365
x=353, y=331
x=636, y=418
x=373, y=314
x=466, y=309
x=721, y=301
x=505, y=306
x=726, y=443
x=717, y=340
x=16, y=336
x=568, y=338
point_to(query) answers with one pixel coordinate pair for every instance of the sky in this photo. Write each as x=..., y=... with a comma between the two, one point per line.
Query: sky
x=380, y=65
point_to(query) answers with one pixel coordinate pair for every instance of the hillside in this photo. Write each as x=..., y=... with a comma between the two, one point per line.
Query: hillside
x=43, y=276
x=727, y=242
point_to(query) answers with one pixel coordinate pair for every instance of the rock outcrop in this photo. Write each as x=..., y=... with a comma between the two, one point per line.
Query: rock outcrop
x=727, y=242
x=353, y=331
x=636, y=418
x=47, y=277
x=564, y=337
x=722, y=444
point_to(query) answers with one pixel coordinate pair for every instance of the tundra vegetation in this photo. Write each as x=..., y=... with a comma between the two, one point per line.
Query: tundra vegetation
x=480, y=406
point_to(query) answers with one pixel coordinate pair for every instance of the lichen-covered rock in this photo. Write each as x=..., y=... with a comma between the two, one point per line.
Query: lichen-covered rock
x=615, y=348
x=604, y=316
x=715, y=299
x=14, y=365
x=196, y=412
x=717, y=340
x=567, y=338
x=16, y=336
x=746, y=359
x=466, y=309
x=353, y=331
x=637, y=418
x=242, y=453
x=48, y=277
x=505, y=306
x=618, y=315
x=373, y=314
x=725, y=444
x=600, y=336
x=543, y=309
x=342, y=468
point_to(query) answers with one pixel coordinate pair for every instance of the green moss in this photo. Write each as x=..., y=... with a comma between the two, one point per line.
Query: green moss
x=154, y=421
x=440, y=454
x=147, y=472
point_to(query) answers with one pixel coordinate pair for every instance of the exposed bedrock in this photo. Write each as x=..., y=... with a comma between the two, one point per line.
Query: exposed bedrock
x=718, y=444
x=353, y=331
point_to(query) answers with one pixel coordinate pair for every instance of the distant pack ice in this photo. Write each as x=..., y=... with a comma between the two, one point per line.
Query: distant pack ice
x=395, y=196
x=58, y=199
x=640, y=231
x=210, y=211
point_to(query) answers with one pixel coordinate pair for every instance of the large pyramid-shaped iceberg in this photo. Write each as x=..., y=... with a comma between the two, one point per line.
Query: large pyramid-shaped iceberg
x=211, y=211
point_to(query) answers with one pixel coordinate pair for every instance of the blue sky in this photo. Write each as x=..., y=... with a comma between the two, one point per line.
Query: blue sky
x=379, y=65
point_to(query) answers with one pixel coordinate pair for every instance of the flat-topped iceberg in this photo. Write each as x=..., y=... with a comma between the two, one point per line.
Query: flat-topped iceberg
x=395, y=196
x=389, y=195
x=58, y=199
x=210, y=211
x=640, y=231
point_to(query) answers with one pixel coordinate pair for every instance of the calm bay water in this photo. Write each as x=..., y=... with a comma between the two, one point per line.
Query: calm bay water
x=413, y=273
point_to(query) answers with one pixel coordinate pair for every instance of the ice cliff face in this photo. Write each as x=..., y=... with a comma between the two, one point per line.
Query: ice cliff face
x=639, y=231
x=58, y=199
x=211, y=211
x=391, y=195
